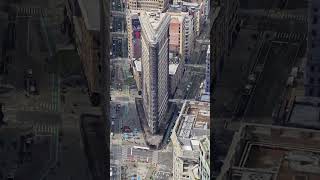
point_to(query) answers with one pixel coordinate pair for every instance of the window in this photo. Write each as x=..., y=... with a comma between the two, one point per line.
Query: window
x=315, y=9
x=312, y=68
x=315, y=20
x=99, y=67
x=314, y=32
x=311, y=80
x=310, y=92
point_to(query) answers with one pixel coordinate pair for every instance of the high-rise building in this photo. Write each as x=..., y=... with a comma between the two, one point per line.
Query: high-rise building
x=312, y=68
x=84, y=25
x=207, y=83
x=204, y=159
x=230, y=10
x=191, y=126
x=176, y=34
x=147, y=5
x=155, y=66
x=186, y=34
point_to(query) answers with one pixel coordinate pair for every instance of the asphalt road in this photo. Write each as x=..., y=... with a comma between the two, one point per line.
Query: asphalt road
x=279, y=63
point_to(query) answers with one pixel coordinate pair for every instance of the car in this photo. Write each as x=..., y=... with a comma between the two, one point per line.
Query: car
x=33, y=88
x=110, y=172
x=112, y=123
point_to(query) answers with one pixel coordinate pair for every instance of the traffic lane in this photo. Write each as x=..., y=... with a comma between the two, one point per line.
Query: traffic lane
x=269, y=89
x=73, y=163
x=194, y=89
x=22, y=61
x=137, y=153
x=39, y=159
x=116, y=151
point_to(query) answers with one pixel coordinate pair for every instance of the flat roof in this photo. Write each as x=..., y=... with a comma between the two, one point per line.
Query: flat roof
x=151, y=21
x=173, y=68
x=306, y=112
x=137, y=65
x=205, y=97
x=274, y=153
x=91, y=13
x=193, y=124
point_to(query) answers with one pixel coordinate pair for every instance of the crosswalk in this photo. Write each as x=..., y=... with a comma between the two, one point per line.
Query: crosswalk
x=287, y=16
x=124, y=152
x=10, y=114
x=45, y=127
x=31, y=11
x=290, y=36
x=40, y=106
x=155, y=156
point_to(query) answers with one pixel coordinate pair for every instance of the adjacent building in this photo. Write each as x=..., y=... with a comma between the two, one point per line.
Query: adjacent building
x=176, y=34
x=197, y=11
x=137, y=73
x=148, y=5
x=84, y=25
x=204, y=159
x=192, y=125
x=134, y=34
x=312, y=68
x=183, y=41
x=155, y=66
x=219, y=48
x=175, y=73
x=269, y=152
x=232, y=22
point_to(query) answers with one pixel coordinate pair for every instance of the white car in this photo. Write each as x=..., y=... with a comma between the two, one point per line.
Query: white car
x=110, y=172
x=112, y=123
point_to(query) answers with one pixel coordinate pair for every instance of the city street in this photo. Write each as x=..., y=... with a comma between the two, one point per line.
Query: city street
x=279, y=63
x=43, y=111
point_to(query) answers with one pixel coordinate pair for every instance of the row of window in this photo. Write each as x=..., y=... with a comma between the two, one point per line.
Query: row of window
x=311, y=92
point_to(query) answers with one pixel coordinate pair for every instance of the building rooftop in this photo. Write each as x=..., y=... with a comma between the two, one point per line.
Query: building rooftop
x=192, y=124
x=173, y=68
x=205, y=97
x=151, y=22
x=90, y=13
x=137, y=65
x=205, y=146
x=173, y=63
x=305, y=112
x=273, y=153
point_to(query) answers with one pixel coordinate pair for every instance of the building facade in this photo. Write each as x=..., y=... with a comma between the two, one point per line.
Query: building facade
x=134, y=34
x=176, y=35
x=84, y=23
x=204, y=159
x=230, y=10
x=148, y=5
x=186, y=24
x=155, y=66
x=207, y=81
x=137, y=73
x=192, y=125
x=219, y=48
x=175, y=73
x=312, y=68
